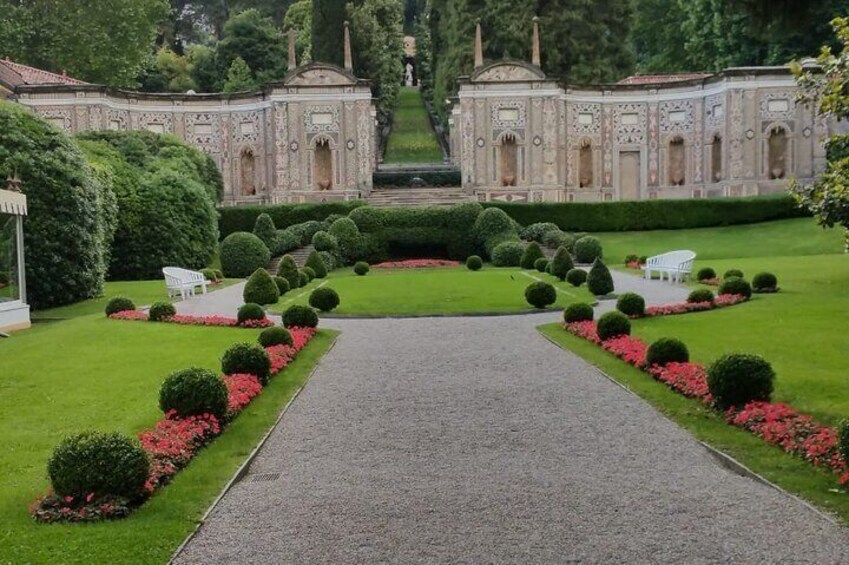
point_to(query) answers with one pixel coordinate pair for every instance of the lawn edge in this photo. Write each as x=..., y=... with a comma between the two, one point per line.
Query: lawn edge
x=723, y=459
x=243, y=469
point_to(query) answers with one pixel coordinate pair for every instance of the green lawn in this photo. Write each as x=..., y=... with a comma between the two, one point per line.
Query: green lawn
x=89, y=372
x=412, y=139
x=434, y=291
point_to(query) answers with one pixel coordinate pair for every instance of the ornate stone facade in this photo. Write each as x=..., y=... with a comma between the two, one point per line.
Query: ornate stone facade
x=736, y=133
x=307, y=138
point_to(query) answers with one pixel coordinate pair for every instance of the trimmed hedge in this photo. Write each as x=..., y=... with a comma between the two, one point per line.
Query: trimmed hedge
x=631, y=304
x=541, y=265
x=119, y=304
x=474, y=263
x=705, y=274
x=288, y=269
x=449, y=178
x=266, y=231
x=736, y=285
x=275, y=335
x=348, y=239
x=737, y=379
x=250, y=312
x=588, y=249
x=160, y=311
x=765, y=282
x=576, y=277
x=242, y=218
x=508, y=254
x=700, y=295
x=242, y=253
x=578, y=312
x=654, y=214
x=282, y=284
x=361, y=268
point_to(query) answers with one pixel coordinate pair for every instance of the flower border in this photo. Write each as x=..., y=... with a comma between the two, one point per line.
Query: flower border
x=189, y=320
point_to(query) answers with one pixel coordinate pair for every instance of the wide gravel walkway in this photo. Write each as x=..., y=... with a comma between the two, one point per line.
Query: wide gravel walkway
x=475, y=440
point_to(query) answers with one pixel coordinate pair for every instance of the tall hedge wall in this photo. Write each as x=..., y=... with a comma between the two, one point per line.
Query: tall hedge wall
x=242, y=218
x=654, y=214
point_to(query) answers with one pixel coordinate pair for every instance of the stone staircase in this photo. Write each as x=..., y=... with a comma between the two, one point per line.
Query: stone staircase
x=299, y=255
x=404, y=197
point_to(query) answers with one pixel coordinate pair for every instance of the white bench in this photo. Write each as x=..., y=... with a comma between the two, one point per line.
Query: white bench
x=183, y=281
x=677, y=265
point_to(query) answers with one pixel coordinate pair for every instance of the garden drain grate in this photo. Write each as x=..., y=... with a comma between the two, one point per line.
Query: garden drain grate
x=262, y=477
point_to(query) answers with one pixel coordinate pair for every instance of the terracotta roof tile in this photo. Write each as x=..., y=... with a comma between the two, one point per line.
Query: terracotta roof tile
x=31, y=75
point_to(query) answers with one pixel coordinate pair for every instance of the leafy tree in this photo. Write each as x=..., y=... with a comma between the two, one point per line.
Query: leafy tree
x=255, y=40
x=299, y=18
x=204, y=68
x=328, y=18
x=170, y=73
x=239, y=77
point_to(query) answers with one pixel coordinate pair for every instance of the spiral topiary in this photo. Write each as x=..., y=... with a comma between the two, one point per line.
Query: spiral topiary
x=736, y=285
x=705, y=274
x=300, y=317
x=361, y=268
x=667, y=350
x=540, y=294
x=261, y=289
x=250, y=313
x=578, y=312
x=325, y=299
x=119, y=304
x=242, y=253
x=613, y=324
x=275, y=335
x=765, y=282
x=631, y=304
x=576, y=277
x=247, y=358
x=737, y=379
x=474, y=263
x=160, y=311
x=192, y=392
x=700, y=295
x=587, y=249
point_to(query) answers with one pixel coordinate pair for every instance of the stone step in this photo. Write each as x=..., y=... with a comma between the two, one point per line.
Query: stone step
x=389, y=197
x=299, y=255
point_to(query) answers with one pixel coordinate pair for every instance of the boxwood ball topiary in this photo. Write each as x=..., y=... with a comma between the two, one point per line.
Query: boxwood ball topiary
x=576, y=277
x=100, y=463
x=192, y=392
x=631, y=304
x=119, y=304
x=261, y=289
x=587, y=249
x=737, y=379
x=541, y=264
x=578, y=312
x=507, y=254
x=733, y=273
x=613, y=324
x=250, y=312
x=706, y=274
x=562, y=263
x=540, y=294
x=667, y=350
x=700, y=295
x=275, y=335
x=736, y=285
x=303, y=278
x=309, y=273
x=599, y=279
x=316, y=263
x=160, y=311
x=765, y=282
x=325, y=299
x=300, y=317
x=247, y=358
x=474, y=263
x=361, y=268
x=242, y=253
x=530, y=255
x=282, y=285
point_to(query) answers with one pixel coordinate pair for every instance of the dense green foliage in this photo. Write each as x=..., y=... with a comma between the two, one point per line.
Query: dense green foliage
x=578, y=312
x=412, y=139
x=700, y=295
x=265, y=230
x=309, y=273
x=737, y=379
x=613, y=324
x=508, y=254
x=576, y=277
x=242, y=253
x=160, y=311
x=588, y=249
x=316, y=263
x=243, y=218
x=288, y=269
x=448, y=178
x=764, y=282
x=324, y=299
x=536, y=232
x=530, y=256
x=667, y=350
x=298, y=316
x=843, y=439
x=101, y=463
x=261, y=289
x=733, y=273
x=119, y=304
x=599, y=279
x=247, y=358
x=541, y=265
x=474, y=263
x=323, y=241
x=250, y=312
x=493, y=227
x=631, y=304
x=275, y=335
x=540, y=294
x=561, y=264
x=328, y=17
x=350, y=244
x=705, y=273
x=361, y=268
x=192, y=392
x=282, y=284
x=736, y=285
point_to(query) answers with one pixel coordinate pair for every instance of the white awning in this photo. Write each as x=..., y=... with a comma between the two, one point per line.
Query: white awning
x=13, y=203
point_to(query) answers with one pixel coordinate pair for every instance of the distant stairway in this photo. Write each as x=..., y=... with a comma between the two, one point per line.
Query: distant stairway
x=299, y=255
x=401, y=197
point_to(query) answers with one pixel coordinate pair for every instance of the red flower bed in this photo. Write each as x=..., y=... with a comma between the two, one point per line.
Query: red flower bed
x=416, y=264
x=188, y=320
x=721, y=301
x=629, y=349
x=711, y=282
x=173, y=442
x=241, y=390
x=689, y=379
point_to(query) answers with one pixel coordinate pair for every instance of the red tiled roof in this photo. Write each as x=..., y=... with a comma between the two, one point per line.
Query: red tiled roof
x=23, y=74
x=660, y=79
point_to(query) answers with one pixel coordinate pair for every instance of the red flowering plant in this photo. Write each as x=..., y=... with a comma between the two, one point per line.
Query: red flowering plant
x=586, y=330
x=416, y=264
x=690, y=379
x=189, y=320
x=721, y=301
x=90, y=508
x=629, y=349
x=173, y=442
x=242, y=389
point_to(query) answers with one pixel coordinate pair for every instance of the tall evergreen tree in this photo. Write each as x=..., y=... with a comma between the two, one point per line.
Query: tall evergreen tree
x=328, y=20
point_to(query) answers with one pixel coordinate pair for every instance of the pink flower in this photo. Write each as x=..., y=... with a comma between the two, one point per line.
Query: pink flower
x=416, y=264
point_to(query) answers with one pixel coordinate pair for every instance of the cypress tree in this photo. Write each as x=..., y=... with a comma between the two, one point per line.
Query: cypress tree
x=561, y=264
x=289, y=270
x=328, y=23
x=315, y=262
x=530, y=256
x=599, y=281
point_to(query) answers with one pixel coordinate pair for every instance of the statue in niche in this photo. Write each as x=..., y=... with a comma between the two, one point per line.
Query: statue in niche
x=323, y=165
x=585, y=165
x=677, y=162
x=509, y=158
x=247, y=173
x=716, y=159
x=777, y=153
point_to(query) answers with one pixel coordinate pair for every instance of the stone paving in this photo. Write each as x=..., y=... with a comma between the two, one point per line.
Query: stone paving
x=475, y=440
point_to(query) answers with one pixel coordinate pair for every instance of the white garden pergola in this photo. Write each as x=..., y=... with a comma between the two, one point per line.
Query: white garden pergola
x=14, y=310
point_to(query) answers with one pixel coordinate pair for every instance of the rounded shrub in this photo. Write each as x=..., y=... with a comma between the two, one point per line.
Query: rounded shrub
x=733, y=273
x=265, y=229
x=667, y=350
x=250, y=313
x=540, y=294
x=323, y=241
x=736, y=285
x=700, y=295
x=261, y=289
x=493, y=225
x=119, y=304
x=599, y=279
x=474, y=263
x=242, y=253
x=303, y=278
x=285, y=241
x=361, y=268
x=328, y=259
x=247, y=358
x=288, y=269
x=316, y=263
x=535, y=232
x=555, y=239
x=631, y=304
x=562, y=263
x=100, y=463
x=613, y=324
x=765, y=282
x=643, y=259
x=348, y=238
x=309, y=272
x=282, y=285
x=508, y=254
x=275, y=335
x=541, y=264
x=532, y=252
x=300, y=317
x=587, y=249
x=325, y=299
x=631, y=258
x=192, y=392
x=737, y=379
x=160, y=311
x=705, y=274
x=578, y=312
x=576, y=277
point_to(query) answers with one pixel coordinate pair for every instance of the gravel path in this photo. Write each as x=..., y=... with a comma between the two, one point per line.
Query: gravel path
x=475, y=440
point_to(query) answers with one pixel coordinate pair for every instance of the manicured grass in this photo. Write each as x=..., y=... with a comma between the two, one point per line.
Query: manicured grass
x=64, y=377
x=412, y=139
x=435, y=291
x=789, y=472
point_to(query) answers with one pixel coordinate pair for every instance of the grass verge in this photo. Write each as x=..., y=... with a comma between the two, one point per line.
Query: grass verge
x=412, y=139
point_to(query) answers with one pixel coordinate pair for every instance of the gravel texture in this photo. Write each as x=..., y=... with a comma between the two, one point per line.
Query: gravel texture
x=475, y=440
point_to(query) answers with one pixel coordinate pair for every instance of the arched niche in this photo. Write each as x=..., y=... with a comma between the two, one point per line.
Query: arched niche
x=322, y=166
x=508, y=160
x=247, y=172
x=716, y=158
x=677, y=161
x=585, y=164
x=777, y=144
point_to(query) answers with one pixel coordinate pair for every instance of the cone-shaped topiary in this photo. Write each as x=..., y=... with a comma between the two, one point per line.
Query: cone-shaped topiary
x=562, y=263
x=532, y=252
x=289, y=271
x=576, y=277
x=737, y=379
x=282, y=284
x=315, y=263
x=578, y=312
x=265, y=229
x=599, y=281
x=540, y=294
x=261, y=289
